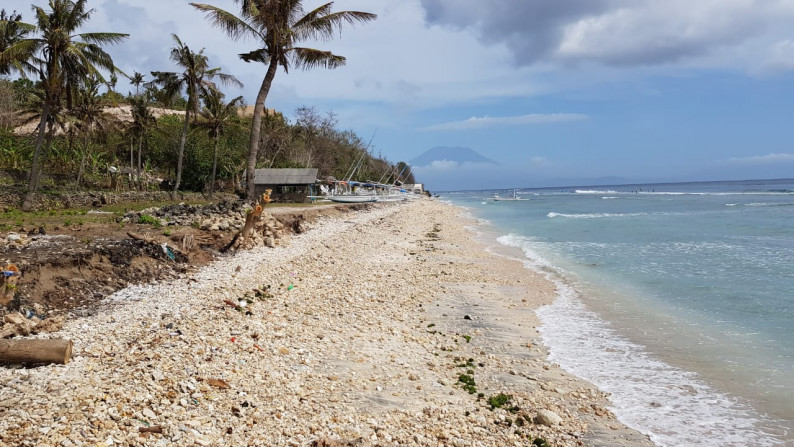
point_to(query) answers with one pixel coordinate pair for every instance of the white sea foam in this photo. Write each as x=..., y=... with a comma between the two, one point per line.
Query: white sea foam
x=609, y=197
x=672, y=406
x=593, y=215
x=595, y=191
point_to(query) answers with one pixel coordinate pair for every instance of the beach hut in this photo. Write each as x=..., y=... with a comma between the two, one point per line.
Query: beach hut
x=288, y=185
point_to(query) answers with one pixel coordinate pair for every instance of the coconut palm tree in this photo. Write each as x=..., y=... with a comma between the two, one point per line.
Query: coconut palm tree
x=142, y=121
x=12, y=31
x=90, y=116
x=279, y=26
x=196, y=75
x=137, y=80
x=214, y=117
x=61, y=58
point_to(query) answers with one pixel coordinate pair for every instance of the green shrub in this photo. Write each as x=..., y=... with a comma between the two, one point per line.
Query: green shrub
x=146, y=219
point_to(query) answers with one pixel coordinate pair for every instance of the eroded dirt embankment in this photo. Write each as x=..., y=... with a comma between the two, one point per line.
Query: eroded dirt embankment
x=73, y=267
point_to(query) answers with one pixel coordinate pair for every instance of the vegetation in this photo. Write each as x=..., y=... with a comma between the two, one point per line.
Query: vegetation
x=57, y=87
x=278, y=26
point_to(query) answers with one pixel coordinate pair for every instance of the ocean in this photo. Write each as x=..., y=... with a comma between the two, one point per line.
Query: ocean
x=678, y=299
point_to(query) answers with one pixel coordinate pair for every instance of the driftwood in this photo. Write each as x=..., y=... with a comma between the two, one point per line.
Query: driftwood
x=36, y=351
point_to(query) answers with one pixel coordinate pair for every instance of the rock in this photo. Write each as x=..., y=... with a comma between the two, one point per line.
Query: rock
x=547, y=417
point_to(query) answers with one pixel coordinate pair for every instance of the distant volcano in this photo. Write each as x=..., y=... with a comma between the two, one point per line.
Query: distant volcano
x=458, y=155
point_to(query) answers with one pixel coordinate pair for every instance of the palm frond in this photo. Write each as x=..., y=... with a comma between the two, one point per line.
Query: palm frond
x=227, y=79
x=308, y=58
x=103, y=38
x=323, y=27
x=259, y=55
x=234, y=27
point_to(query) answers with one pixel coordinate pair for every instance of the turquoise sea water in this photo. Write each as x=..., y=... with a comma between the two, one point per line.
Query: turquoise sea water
x=678, y=299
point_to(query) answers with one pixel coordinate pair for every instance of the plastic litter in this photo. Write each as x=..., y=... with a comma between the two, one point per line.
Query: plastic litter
x=168, y=251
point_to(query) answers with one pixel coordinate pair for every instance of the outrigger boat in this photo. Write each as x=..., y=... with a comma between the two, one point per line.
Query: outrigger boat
x=353, y=198
x=514, y=197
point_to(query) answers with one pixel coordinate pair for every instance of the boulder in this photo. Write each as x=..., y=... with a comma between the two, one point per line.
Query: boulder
x=547, y=417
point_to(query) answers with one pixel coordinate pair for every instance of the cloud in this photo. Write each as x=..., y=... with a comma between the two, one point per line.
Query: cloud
x=780, y=58
x=444, y=165
x=477, y=122
x=763, y=159
x=614, y=32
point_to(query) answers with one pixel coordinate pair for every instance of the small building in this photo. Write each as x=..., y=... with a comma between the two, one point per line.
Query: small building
x=287, y=185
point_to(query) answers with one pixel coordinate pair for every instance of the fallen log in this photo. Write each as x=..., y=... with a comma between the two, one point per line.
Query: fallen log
x=36, y=351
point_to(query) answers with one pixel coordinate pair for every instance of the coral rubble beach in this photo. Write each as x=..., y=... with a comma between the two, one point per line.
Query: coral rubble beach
x=379, y=327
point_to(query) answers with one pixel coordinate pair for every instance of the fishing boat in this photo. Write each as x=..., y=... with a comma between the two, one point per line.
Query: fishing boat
x=512, y=198
x=353, y=198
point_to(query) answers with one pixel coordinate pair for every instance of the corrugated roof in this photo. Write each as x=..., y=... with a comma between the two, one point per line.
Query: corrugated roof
x=285, y=176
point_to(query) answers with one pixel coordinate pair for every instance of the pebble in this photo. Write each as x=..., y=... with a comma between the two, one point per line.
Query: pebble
x=308, y=363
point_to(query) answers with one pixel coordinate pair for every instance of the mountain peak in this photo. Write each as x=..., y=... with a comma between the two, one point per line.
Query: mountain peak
x=459, y=155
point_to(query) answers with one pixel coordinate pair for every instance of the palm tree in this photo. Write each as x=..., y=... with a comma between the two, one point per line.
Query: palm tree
x=137, y=80
x=278, y=26
x=214, y=117
x=12, y=31
x=90, y=115
x=61, y=58
x=142, y=121
x=196, y=75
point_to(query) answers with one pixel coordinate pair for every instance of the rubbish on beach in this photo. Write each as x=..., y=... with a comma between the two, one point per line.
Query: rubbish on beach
x=290, y=287
x=168, y=252
x=8, y=284
x=152, y=429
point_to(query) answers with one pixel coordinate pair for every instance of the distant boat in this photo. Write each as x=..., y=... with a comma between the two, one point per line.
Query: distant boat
x=512, y=198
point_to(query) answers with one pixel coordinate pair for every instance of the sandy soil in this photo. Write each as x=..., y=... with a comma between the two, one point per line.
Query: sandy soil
x=388, y=326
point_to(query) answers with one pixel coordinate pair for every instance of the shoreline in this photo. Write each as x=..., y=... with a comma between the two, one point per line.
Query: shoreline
x=360, y=333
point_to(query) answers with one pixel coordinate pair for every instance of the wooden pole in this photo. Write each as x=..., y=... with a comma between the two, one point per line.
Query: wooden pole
x=36, y=351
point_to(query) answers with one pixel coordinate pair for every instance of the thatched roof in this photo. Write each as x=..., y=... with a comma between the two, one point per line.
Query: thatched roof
x=285, y=176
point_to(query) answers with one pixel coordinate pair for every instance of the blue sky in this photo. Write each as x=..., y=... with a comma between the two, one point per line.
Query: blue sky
x=555, y=91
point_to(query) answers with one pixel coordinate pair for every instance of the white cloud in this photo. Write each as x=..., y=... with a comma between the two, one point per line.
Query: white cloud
x=444, y=165
x=763, y=159
x=781, y=58
x=480, y=122
x=623, y=33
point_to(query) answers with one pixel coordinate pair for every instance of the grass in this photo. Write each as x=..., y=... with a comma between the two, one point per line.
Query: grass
x=467, y=382
x=146, y=219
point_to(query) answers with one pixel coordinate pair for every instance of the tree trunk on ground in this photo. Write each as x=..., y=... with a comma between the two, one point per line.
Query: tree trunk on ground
x=181, y=154
x=36, y=351
x=256, y=128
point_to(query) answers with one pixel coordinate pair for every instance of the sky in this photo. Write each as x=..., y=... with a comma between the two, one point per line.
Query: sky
x=555, y=92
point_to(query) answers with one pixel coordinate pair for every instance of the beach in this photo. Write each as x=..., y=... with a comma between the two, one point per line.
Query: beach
x=389, y=326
